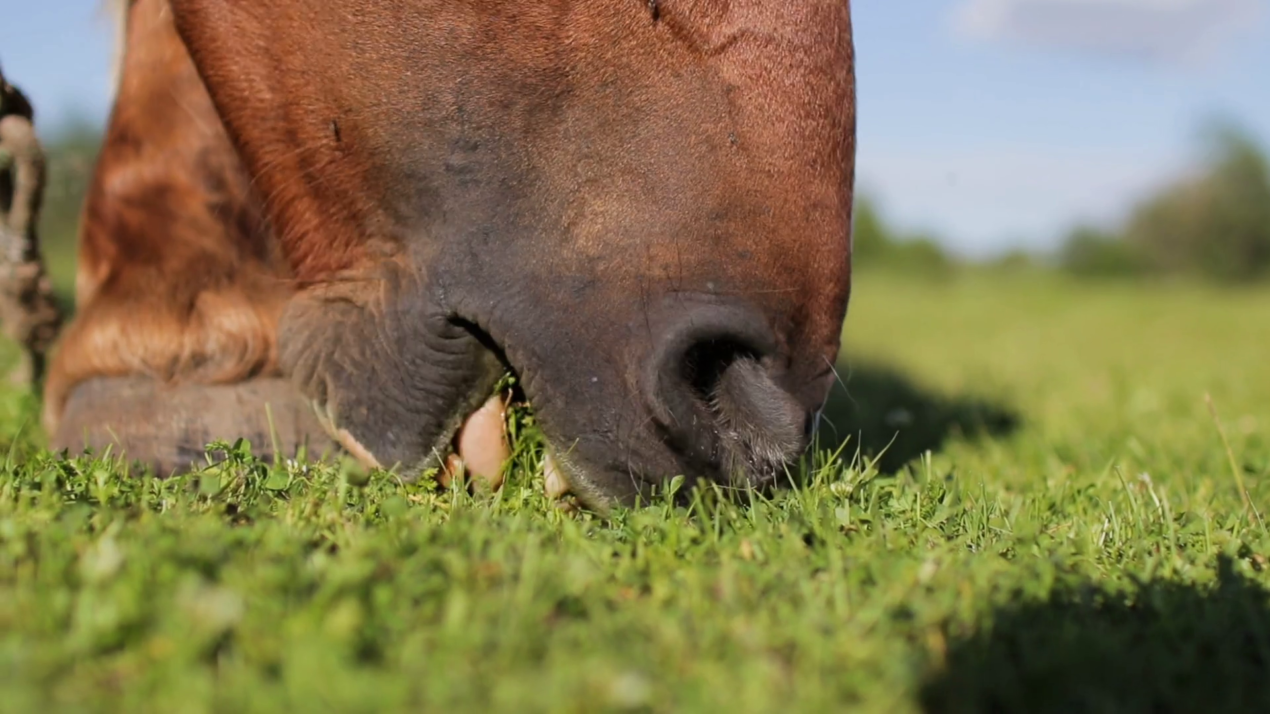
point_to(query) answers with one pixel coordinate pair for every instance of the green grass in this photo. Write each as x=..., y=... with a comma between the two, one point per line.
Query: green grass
x=1075, y=540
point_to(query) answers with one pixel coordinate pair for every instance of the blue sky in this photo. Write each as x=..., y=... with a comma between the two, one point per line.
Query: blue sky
x=992, y=124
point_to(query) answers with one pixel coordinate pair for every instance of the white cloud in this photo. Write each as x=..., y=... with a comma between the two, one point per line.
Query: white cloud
x=1166, y=31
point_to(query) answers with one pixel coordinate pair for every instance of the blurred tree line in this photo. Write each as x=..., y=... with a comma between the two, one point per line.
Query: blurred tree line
x=877, y=244
x=1214, y=224
x=71, y=151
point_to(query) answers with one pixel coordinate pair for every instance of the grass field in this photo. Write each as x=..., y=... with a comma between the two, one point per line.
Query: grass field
x=1057, y=527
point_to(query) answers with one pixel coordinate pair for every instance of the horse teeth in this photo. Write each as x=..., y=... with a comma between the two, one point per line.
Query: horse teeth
x=481, y=444
x=453, y=468
x=557, y=487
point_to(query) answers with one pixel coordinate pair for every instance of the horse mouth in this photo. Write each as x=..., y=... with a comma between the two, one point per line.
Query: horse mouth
x=478, y=448
x=481, y=451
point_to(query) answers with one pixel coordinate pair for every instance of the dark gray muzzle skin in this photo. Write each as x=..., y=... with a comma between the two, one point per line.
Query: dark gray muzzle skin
x=690, y=384
x=634, y=377
x=712, y=389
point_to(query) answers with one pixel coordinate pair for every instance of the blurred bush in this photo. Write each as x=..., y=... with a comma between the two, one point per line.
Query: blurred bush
x=878, y=245
x=1214, y=224
x=71, y=152
x=1093, y=252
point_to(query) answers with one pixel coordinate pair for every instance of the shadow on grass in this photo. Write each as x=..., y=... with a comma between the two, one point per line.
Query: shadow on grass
x=1168, y=647
x=882, y=411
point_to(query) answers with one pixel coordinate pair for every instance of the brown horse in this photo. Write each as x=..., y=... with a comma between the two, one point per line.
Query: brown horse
x=377, y=207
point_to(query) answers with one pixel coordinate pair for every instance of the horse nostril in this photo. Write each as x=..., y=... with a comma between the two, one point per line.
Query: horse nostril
x=761, y=424
x=705, y=363
x=717, y=400
x=692, y=352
